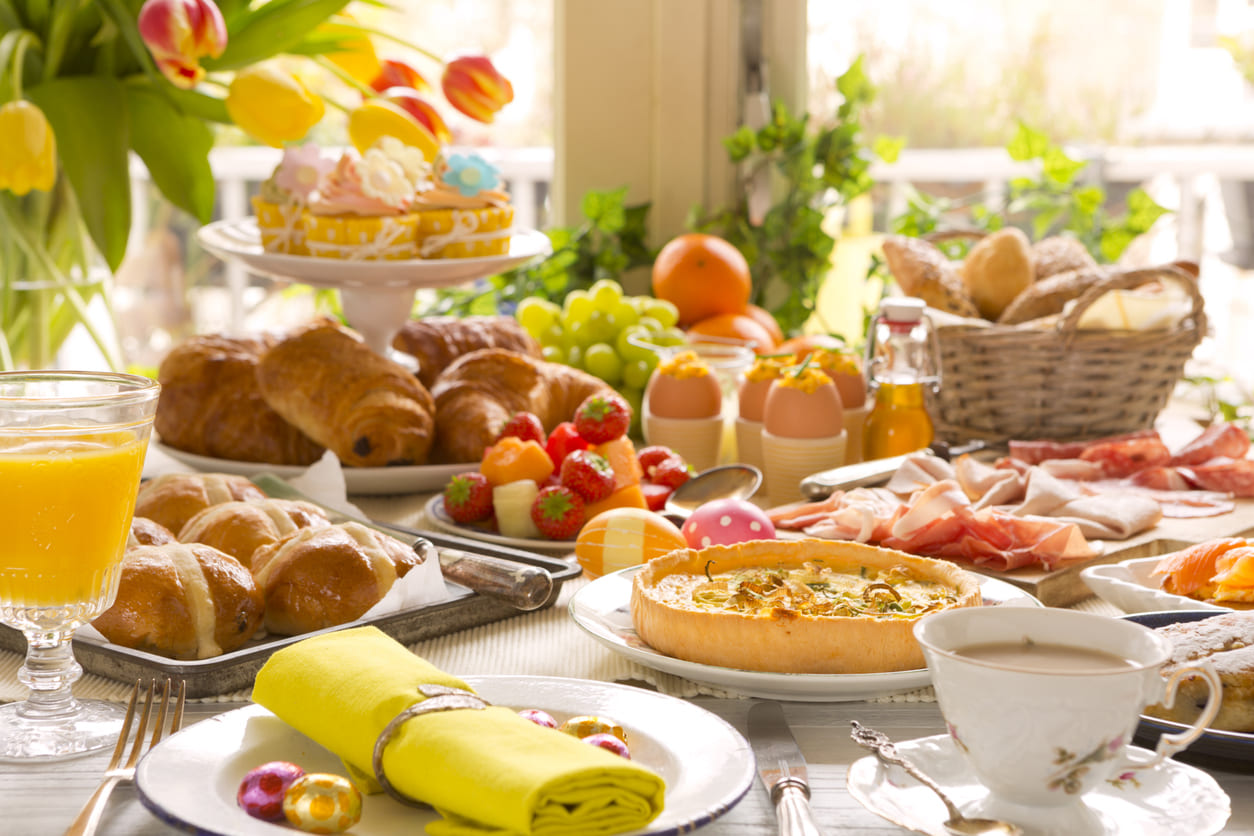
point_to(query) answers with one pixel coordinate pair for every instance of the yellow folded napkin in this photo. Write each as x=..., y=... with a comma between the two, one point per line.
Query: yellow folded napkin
x=485, y=771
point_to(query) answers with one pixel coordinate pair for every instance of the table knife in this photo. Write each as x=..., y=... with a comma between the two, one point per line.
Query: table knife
x=874, y=472
x=782, y=769
x=521, y=586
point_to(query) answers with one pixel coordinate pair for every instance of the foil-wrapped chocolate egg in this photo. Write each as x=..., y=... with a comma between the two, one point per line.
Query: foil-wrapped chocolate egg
x=322, y=803
x=587, y=725
x=540, y=718
x=610, y=743
x=260, y=794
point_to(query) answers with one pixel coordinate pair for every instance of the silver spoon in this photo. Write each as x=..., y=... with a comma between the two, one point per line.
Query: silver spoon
x=957, y=823
x=729, y=481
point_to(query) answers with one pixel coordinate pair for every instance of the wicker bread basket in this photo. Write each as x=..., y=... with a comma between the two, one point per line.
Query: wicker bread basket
x=1029, y=382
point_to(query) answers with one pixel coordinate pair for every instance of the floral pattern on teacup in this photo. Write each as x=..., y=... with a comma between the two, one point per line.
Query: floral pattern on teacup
x=1070, y=778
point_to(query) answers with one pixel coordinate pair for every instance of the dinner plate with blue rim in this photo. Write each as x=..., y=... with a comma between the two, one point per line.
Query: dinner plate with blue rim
x=190, y=779
x=1216, y=749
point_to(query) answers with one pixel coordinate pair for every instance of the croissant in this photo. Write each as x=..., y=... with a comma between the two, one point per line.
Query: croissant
x=174, y=498
x=320, y=577
x=210, y=405
x=240, y=528
x=368, y=409
x=477, y=394
x=184, y=601
x=439, y=340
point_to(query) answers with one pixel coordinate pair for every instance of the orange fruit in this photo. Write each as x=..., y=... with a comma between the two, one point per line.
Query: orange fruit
x=803, y=345
x=736, y=327
x=767, y=320
x=703, y=276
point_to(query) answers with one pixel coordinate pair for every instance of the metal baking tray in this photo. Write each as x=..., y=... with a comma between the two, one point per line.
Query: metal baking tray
x=236, y=670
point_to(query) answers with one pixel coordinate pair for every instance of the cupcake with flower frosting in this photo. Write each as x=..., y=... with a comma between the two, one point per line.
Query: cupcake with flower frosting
x=362, y=210
x=281, y=202
x=464, y=213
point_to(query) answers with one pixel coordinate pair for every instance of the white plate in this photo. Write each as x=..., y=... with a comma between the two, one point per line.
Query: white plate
x=189, y=780
x=603, y=608
x=358, y=480
x=441, y=521
x=1171, y=800
x=240, y=241
x=1129, y=586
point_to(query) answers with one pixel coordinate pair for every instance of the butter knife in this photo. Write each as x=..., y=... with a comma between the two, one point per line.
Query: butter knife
x=874, y=472
x=782, y=769
x=521, y=586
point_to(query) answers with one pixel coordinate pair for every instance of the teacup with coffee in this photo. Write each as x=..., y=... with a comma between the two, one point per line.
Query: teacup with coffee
x=1043, y=702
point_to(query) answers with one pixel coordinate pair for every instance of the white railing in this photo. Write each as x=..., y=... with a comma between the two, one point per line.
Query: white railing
x=1181, y=170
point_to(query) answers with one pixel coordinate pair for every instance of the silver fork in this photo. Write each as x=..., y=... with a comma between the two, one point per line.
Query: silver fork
x=89, y=818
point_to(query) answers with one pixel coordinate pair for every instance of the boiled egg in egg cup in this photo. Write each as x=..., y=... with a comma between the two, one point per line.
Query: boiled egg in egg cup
x=683, y=409
x=751, y=400
x=803, y=430
x=845, y=370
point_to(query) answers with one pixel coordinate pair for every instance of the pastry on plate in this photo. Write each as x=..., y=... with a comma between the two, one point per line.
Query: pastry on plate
x=172, y=499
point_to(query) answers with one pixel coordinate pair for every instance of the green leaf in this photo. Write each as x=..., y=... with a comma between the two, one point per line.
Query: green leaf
x=267, y=30
x=175, y=148
x=1027, y=144
x=89, y=116
x=1114, y=242
x=1089, y=199
x=1143, y=210
x=888, y=148
x=125, y=21
x=1059, y=168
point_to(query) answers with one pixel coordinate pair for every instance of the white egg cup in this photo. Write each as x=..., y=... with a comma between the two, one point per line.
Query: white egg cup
x=786, y=461
x=855, y=421
x=749, y=442
x=698, y=440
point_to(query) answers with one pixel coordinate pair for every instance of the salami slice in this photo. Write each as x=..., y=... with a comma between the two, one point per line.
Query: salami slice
x=1218, y=440
x=1125, y=456
x=1234, y=476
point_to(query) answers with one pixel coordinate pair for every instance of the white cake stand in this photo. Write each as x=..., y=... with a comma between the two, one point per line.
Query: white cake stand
x=377, y=296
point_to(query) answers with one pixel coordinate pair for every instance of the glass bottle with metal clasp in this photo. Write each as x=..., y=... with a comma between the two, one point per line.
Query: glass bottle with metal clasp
x=903, y=371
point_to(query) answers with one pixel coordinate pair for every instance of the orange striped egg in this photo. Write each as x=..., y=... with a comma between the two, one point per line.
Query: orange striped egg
x=622, y=537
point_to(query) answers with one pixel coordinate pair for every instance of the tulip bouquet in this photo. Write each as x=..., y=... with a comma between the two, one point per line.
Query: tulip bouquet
x=83, y=85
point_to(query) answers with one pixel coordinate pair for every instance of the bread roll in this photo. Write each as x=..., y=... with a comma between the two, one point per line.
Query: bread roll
x=370, y=410
x=436, y=341
x=184, y=601
x=146, y=532
x=211, y=405
x=240, y=528
x=1051, y=295
x=476, y=395
x=1228, y=641
x=1059, y=254
x=321, y=577
x=174, y=498
x=923, y=271
x=997, y=269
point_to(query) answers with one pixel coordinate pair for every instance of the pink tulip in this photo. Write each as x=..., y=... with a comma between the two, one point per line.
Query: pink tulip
x=475, y=87
x=179, y=33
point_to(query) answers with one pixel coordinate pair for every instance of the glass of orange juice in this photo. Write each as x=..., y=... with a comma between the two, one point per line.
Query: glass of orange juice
x=72, y=447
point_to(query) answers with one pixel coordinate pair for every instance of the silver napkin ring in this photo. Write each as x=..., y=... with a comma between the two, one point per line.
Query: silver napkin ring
x=438, y=698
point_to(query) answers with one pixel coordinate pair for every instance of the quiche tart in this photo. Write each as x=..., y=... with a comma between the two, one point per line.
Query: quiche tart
x=802, y=606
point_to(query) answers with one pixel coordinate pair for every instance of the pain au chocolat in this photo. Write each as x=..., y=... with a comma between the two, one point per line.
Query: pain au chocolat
x=803, y=606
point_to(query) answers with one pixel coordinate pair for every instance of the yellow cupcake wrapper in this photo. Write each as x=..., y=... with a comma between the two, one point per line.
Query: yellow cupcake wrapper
x=360, y=239
x=282, y=226
x=463, y=233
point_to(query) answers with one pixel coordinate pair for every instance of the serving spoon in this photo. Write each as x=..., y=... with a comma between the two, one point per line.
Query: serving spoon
x=957, y=823
x=729, y=481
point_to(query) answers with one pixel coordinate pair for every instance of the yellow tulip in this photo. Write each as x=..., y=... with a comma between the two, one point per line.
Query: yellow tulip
x=358, y=57
x=377, y=118
x=28, y=149
x=272, y=105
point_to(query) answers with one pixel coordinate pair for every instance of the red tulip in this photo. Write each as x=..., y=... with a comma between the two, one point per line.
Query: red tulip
x=473, y=86
x=179, y=33
x=410, y=101
x=394, y=73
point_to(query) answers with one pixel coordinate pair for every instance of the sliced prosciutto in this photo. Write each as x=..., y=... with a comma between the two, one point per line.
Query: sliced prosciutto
x=1035, y=452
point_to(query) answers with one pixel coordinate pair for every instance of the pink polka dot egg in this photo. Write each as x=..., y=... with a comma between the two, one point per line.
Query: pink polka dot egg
x=724, y=522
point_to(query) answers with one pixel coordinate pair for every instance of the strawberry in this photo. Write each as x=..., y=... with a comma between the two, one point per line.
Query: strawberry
x=655, y=495
x=564, y=440
x=602, y=418
x=558, y=512
x=671, y=472
x=649, y=457
x=468, y=497
x=588, y=474
x=524, y=425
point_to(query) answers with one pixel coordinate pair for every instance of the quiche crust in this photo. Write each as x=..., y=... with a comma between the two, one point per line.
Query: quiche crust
x=670, y=619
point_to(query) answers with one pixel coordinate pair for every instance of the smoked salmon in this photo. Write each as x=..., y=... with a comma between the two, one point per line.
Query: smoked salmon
x=1234, y=576
x=1191, y=572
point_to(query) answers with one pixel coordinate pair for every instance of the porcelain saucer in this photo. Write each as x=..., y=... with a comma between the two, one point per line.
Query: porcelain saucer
x=1174, y=799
